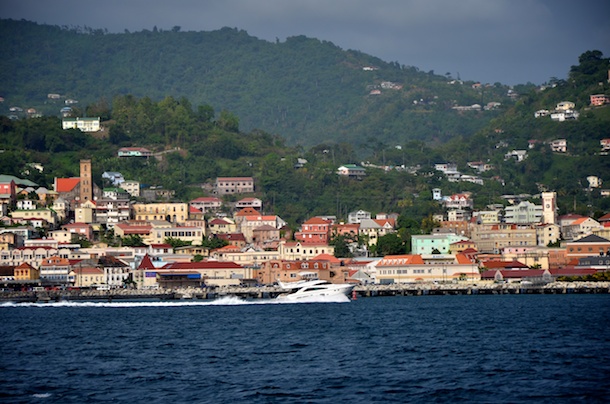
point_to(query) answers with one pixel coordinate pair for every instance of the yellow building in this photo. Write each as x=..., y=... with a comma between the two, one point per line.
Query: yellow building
x=493, y=238
x=171, y=212
x=85, y=277
x=26, y=272
x=291, y=251
x=46, y=214
x=249, y=257
x=84, y=213
x=530, y=256
x=159, y=234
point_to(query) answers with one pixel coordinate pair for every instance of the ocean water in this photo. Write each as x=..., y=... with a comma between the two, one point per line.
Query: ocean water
x=494, y=349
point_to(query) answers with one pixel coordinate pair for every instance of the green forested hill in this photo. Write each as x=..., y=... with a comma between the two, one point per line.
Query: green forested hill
x=306, y=90
x=203, y=93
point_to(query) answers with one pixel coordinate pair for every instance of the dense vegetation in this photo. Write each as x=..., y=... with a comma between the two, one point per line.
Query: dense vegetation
x=199, y=96
x=304, y=89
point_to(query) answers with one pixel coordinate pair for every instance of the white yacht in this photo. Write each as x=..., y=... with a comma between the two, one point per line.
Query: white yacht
x=312, y=289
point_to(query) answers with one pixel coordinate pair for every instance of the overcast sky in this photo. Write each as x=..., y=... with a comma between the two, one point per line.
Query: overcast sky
x=506, y=41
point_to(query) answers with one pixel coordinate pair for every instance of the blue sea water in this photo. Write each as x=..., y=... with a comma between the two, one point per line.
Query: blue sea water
x=494, y=349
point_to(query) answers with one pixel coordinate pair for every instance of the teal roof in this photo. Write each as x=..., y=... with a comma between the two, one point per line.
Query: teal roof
x=18, y=181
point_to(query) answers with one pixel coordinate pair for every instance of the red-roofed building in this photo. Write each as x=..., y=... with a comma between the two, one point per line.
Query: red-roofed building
x=79, y=230
x=572, y=271
x=26, y=272
x=580, y=227
x=134, y=152
x=132, y=228
x=293, y=271
x=265, y=233
x=195, y=213
x=426, y=268
x=459, y=201
x=64, y=185
x=249, y=223
x=206, y=203
x=509, y=265
x=315, y=230
x=8, y=192
x=471, y=254
x=350, y=230
x=253, y=203
x=234, y=239
x=532, y=275
x=55, y=270
x=248, y=211
x=221, y=226
x=460, y=246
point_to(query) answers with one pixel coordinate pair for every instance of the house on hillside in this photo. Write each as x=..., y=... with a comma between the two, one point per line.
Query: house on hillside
x=253, y=203
x=314, y=230
x=233, y=185
x=84, y=124
x=358, y=216
x=559, y=145
x=599, y=99
x=134, y=152
x=351, y=171
x=206, y=203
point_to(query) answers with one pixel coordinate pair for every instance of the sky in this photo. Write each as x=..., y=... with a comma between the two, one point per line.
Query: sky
x=506, y=41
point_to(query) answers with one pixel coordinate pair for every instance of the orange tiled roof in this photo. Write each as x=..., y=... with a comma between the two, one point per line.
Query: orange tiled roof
x=579, y=221
x=326, y=257
x=66, y=184
x=317, y=220
x=248, y=212
x=407, y=259
x=462, y=259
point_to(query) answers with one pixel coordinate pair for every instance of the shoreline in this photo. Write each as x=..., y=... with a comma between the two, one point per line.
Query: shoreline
x=270, y=292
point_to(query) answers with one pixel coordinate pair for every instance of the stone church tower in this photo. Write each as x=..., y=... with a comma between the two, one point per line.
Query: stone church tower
x=86, y=184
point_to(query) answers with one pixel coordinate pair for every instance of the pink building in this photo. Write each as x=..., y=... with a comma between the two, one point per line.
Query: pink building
x=80, y=229
x=600, y=99
x=314, y=230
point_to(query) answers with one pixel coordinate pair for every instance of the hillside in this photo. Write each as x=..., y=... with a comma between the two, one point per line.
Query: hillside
x=306, y=90
x=143, y=87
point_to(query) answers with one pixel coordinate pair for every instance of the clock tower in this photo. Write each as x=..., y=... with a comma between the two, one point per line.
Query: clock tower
x=549, y=207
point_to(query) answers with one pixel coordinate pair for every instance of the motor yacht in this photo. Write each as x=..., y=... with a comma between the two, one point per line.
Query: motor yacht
x=312, y=289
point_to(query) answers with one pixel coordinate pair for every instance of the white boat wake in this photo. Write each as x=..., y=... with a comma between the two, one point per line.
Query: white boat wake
x=223, y=301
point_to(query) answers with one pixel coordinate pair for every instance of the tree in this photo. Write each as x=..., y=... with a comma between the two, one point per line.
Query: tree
x=341, y=246
x=390, y=244
x=428, y=223
x=228, y=121
x=176, y=242
x=133, y=240
x=214, y=242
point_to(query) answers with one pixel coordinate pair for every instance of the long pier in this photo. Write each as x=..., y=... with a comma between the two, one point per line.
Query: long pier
x=270, y=292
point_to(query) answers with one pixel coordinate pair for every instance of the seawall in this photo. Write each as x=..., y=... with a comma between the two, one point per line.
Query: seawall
x=268, y=292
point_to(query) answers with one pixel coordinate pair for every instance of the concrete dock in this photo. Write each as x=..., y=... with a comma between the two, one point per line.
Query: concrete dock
x=270, y=292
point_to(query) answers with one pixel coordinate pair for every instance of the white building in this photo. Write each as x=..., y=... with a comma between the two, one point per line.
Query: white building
x=132, y=187
x=84, y=124
x=523, y=213
x=358, y=216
